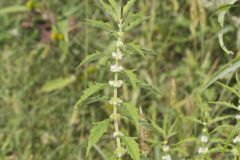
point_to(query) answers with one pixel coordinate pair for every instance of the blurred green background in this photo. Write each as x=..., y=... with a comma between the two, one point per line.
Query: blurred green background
x=42, y=43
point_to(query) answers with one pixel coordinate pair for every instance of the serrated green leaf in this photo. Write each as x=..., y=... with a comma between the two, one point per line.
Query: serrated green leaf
x=193, y=119
x=158, y=129
x=132, y=77
x=221, y=42
x=226, y=104
x=221, y=11
x=230, y=89
x=136, y=48
x=215, y=120
x=57, y=84
x=97, y=132
x=230, y=137
x=109, y=10
x=226, y=69
x=127, y=7
x=222, y=8
x=134, y=21
x=90, y=91
x=114, y=5
x=133, y=112
x=132, y=147
x=90, y=58
x=221, y=127
x=148, y=87
x=97, y=99
x=13, y=9
x=100, y=24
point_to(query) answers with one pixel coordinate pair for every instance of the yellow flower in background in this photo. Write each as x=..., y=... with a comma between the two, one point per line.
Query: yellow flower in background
x=30, y=4
x=57, y=36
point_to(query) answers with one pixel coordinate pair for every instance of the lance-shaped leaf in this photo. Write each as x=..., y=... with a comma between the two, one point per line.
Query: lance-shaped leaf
x=226, y=69
x=225, y=104
x=133, y=113
x=230, y=89
x=132, y=77
x=109, y=9
x=90, y=91
x=215, y=120
x=128, y=7
x=136, y=48
x=97, y=132
x=132, y=147
x=90, y=58
x=100, y=24
x=221, y=42
x=231, y=136
x=134, y=21
x=13, y=9
x=158, y=129
x=114, y=5
x=57, y=84
x=221, y=11
x=148, y=87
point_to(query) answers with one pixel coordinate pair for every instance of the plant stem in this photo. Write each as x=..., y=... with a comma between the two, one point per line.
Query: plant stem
x=115, y=111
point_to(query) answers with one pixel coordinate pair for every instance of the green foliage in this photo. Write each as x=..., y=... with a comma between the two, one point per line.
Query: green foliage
x=100, y=24
x=90, y=58
x=221, y=11
x=133, y=21
x=127, y=7
x=132, y=147
x=57, y=84
x=133, y=113
x=223, y=71
x=93, y=88
x=106, y=7
x=132, y=77
x=97, y=132
x=13, y=9
x=135, y=48
x=36, y=125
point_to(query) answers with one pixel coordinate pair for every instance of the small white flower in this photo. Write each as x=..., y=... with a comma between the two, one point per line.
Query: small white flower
x=165, y=148
x=202, y=150
x=204, y=138
x=116, y=83
x=166, y=157
x=119, y=43
x=117, y=55
x=116, y=68
x=237, y=117
x=118, y=134
x=236, y=139
x=115, y=101
x=120, y=152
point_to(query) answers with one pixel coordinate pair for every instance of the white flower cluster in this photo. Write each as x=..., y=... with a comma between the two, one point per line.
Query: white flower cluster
x=202, y=150
x=116, y=68
x=115, y=101
x=204, y=138
x=117, y=55
x=116, y=84
x=237, y=117
x=166, y=157
x=236, y=139
x=120, y=152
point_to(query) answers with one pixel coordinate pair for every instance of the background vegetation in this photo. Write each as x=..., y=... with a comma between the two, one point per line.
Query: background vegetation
x=39, y=82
